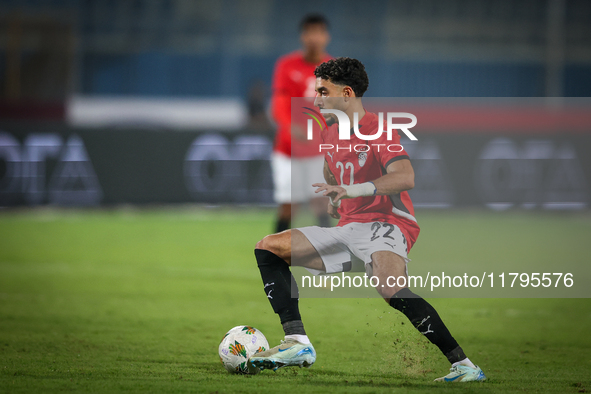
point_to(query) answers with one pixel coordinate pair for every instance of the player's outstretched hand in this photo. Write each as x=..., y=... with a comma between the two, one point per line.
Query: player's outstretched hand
x=332, y=191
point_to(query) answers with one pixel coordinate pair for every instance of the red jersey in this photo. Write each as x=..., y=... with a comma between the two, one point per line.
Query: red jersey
x=293, y=77
x=351, y=167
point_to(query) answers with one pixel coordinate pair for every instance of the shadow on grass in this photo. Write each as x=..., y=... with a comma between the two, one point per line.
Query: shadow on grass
x=321, y=379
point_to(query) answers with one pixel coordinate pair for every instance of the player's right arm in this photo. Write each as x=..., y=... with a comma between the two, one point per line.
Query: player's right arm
x=399, y=177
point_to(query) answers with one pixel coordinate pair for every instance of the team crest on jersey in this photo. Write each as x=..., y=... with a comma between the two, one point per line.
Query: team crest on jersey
x=362, y=156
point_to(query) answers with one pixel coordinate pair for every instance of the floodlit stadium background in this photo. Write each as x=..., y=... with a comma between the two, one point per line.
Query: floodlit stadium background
x=135, y=180
x=143, y=71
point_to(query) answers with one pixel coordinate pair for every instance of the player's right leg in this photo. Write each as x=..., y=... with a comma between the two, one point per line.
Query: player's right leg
x=423, y=317
x=274, y=254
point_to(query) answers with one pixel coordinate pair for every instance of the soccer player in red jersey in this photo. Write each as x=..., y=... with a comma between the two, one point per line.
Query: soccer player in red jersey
x=368, y=192
x=294, y=77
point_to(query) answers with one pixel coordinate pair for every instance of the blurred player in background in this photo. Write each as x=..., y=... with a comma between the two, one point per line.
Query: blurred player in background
x=294, y=77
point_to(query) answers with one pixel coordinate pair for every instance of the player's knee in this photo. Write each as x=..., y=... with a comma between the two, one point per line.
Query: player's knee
x=264, y=244
x=273, y=243
x=260, y=244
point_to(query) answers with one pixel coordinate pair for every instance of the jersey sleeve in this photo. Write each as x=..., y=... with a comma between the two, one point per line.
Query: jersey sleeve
x=390, y=151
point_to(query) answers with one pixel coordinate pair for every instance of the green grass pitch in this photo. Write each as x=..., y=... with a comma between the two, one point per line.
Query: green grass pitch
x=138, y=300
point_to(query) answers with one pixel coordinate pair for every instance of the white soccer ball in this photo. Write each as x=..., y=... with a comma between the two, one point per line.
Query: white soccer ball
x=238, y=345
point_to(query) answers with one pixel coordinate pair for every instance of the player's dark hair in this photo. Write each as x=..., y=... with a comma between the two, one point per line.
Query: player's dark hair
x=345, y=71
x=313, y=19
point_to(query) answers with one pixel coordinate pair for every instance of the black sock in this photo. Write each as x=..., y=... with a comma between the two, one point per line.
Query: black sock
x=280, y=286
x=294, y=327
x=425, y=319
x=282, y=225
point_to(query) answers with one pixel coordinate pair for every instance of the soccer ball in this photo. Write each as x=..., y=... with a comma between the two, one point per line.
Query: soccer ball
x=238, y=345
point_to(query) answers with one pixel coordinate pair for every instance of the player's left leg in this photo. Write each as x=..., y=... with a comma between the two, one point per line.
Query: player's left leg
x=274, y=255
x=422, y=315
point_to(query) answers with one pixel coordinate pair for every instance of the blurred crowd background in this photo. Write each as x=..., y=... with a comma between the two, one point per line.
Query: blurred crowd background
x=52, y=49
x=88, y=88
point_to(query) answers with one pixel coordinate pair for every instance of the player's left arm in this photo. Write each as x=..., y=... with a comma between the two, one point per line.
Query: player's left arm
x=399, y=177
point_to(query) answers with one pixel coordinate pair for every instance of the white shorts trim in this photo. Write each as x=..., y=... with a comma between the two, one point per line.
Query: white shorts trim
x=293, y=177
x=349, y=248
